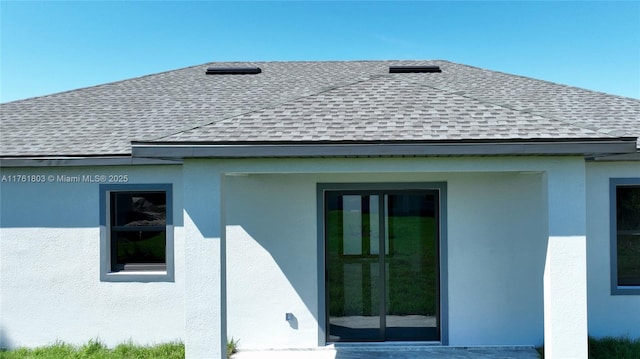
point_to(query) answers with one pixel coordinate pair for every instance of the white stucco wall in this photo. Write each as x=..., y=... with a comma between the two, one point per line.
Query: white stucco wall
x=50, y=286
x=497, y=237
x=609, y=315
x=565, y=274
x=497, y=246
x=205, y=317
x=272, y=260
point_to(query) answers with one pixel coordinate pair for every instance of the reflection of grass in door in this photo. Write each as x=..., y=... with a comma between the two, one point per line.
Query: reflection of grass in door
x=411, y=277
x=342, y=272
x=412, y=263
x=334, y=269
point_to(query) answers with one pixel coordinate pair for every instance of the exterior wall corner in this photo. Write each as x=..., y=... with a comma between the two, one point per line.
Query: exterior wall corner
x=565, y=274
x=205, y=312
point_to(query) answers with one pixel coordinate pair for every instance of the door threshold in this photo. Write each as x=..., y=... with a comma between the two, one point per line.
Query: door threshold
x=395, y=350
x=381, y=345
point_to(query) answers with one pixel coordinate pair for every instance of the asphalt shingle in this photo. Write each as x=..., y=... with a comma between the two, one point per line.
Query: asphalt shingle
x=383, y=109
x=311, y=101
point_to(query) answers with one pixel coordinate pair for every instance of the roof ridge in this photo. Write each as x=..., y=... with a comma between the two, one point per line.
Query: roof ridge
x=268, y=106
x=542, y=80
x=102, y=84
x=464, y=94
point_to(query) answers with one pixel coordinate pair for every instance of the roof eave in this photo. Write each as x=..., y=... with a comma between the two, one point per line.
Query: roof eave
x=635, y=156
x=180, y=150
x=74, y=161
x=172, y=153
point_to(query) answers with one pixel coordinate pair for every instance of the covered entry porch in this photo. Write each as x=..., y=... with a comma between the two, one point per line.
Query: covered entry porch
x=511, y=262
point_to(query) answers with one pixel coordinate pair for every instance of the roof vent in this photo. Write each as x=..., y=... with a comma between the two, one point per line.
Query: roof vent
x=413, y=69
x=233, y=70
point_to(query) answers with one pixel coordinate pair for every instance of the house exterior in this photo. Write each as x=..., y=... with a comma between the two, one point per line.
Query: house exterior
x=296, y=204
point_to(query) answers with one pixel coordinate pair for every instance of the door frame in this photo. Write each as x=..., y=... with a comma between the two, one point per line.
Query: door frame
x=441, y=188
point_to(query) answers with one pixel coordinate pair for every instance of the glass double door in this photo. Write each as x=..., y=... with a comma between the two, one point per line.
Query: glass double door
x=382, y=270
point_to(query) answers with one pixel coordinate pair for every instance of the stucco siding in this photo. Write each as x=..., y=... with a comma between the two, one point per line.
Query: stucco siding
x=272, y=261
x=609, y=315
x=50, y=286
x=497, y=241
x=497, y=232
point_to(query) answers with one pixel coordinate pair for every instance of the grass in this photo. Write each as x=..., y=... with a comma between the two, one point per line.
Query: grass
x=609, y=347
x=232, y=347
x=94, y=349
x=620, y=348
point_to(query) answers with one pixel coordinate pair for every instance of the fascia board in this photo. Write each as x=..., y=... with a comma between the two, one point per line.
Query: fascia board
x=181, y=150
x=617, y=157
x=82, y=161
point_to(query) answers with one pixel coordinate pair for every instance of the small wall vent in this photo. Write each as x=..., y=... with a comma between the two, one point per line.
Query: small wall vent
x=413, y=69
x=233, y=70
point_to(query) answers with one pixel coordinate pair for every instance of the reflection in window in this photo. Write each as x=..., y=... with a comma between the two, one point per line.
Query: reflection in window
x=628, y=235
x=138, y=230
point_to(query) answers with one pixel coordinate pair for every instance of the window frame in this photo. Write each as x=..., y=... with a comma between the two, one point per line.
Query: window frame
x=614, y=184
x=107, y=274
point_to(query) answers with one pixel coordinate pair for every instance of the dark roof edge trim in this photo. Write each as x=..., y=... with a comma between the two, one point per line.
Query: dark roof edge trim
x=617, y=157
x=181, y=150
x=83, y=161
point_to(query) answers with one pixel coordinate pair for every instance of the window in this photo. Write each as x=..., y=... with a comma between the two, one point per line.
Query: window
x=137, y=232
x=625, y=236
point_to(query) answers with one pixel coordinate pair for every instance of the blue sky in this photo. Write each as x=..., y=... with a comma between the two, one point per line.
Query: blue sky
x=55, y=46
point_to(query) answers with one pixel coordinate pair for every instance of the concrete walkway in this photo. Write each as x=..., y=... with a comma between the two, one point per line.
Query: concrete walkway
x=362, y=351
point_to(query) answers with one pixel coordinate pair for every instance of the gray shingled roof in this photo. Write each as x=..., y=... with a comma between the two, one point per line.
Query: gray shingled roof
x=293, y=102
